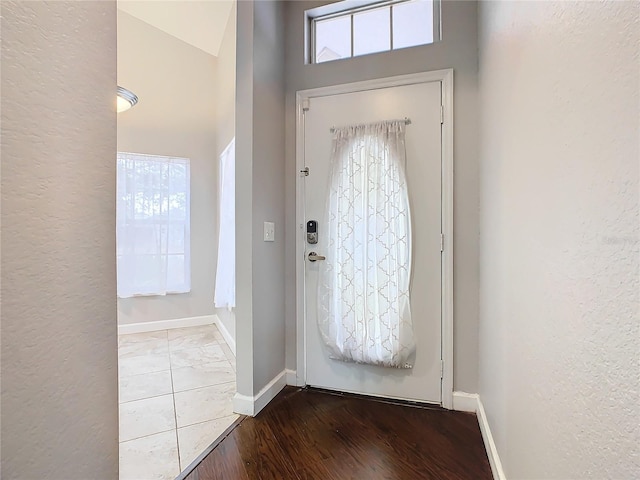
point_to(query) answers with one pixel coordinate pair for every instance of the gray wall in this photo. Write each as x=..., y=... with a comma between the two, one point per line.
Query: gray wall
x=226, y=112
x=457, y=50
x=559, y=323
x=176, y=116
x=259, y=194
x=59, y=344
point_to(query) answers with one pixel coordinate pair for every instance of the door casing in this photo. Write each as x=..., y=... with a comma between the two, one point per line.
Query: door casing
x=303, y=97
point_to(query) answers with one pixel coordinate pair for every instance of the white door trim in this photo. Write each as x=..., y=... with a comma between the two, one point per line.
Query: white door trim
x=302, y=97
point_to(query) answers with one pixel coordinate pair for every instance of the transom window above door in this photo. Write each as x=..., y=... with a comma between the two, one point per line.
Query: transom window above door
x=352, y=28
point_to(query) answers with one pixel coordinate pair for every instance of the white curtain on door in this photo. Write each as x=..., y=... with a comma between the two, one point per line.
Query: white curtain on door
x=225, y=293
x=364, y=311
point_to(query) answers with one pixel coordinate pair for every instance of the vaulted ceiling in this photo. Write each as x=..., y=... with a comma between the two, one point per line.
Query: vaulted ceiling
x=200, y=23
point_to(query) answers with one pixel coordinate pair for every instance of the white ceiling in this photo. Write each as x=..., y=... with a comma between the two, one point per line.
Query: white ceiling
x=200, y=23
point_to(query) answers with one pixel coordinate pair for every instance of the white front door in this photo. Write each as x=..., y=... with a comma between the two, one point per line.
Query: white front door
x=421, y=103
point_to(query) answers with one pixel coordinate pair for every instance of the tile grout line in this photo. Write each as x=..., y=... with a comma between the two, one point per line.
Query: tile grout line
x=174, y=392
x=145, y=436
x=173, y=395
x=210, y=420
x=173, y=398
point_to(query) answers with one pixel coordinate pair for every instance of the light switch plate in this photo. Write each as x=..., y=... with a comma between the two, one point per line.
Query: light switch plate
x=269, y=231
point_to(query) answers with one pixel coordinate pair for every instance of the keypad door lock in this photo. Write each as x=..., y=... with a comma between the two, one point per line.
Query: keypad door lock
x=312, y=232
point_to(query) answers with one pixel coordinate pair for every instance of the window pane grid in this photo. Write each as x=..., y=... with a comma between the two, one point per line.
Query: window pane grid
x=378, y=27
x=391, y=27
x=352, y=42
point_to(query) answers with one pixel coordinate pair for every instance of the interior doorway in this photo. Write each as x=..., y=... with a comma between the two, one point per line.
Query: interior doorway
x=176, y=349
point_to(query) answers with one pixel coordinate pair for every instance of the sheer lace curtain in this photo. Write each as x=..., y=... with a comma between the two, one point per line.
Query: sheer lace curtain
x=364, y=312
x=225, y=292
x=152, y=225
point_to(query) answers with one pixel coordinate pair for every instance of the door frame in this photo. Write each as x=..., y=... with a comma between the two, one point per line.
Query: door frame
x=303, y=97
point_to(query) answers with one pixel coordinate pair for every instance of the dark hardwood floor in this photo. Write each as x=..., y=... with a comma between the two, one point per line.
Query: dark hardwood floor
x=310, y=434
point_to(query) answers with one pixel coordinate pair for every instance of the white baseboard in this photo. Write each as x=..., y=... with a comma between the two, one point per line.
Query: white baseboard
x=489, y=444
x=246, y=405
x=225, y=333
x=165, y=324
x=292, y=377
x=470, y=402
x=465, y=402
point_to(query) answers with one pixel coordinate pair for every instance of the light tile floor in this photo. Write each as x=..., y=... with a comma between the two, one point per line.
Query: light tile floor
x=176, y=388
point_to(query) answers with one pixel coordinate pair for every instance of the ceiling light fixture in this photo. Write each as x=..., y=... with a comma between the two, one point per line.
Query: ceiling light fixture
x=126, y=99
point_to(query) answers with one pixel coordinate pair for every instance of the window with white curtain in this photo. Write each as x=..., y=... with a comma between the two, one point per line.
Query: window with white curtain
x=153, y=225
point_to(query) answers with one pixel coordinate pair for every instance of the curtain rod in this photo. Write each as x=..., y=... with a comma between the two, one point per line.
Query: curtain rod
x=407, y=121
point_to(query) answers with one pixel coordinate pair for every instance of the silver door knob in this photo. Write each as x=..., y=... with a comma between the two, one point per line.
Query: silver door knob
x=313, y=256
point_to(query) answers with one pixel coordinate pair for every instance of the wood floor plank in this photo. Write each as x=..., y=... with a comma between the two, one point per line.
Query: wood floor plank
x=312, y=435
x=224, y=462
x=316, y=438
x=249, y=452
x=437, y=445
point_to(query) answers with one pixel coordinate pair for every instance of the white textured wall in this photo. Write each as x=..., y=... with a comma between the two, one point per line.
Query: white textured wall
x=559, y=296
x=176, y=116
x=59, y=347
x=259, y=194
x=457, y=50
x=226, y=110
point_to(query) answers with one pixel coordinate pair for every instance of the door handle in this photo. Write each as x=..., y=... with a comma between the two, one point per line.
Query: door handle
x=313, y=256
